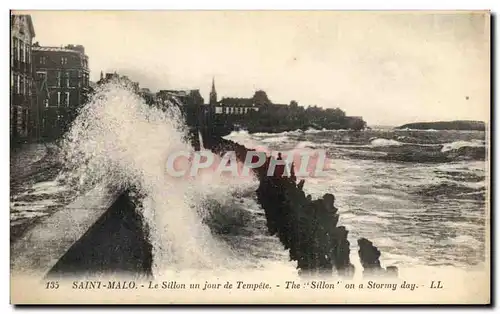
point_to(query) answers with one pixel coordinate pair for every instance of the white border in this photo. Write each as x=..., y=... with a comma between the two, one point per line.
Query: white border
x=205, y=5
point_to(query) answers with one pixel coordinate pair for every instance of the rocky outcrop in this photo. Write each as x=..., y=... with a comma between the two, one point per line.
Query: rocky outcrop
x=446, y=125
x=369, y=256
x=307, y=228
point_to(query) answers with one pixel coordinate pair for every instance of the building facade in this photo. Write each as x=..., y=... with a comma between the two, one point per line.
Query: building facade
x=21, y=78
x=235, y=106
x=62, y=87
x=190, y=103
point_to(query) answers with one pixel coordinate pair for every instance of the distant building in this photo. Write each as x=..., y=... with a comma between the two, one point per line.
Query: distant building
x=22, y=103
x=229, y=105
x=190, y=102
x=190, y=97
x=62, y=86
x=147, y=95
x=232, y=105
x=213, y=94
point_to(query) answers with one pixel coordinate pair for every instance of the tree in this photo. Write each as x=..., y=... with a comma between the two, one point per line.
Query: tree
x=260, y=98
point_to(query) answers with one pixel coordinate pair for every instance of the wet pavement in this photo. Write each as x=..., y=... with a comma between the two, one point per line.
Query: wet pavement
x=35, y=191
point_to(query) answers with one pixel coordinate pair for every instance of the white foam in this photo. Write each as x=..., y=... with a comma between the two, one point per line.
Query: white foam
x=242, y=137
x=465, y=240
x=279, y=139
x=47, y=187
x=120, y=140
x=313, y=131
x=380, y=142
x=458, y=144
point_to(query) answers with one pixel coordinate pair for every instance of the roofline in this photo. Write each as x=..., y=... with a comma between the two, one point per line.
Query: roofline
x=30, y=22
x=55, y=49
x=31, y=26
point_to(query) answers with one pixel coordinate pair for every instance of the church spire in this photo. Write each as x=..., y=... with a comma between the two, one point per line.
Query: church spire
x=213, y=93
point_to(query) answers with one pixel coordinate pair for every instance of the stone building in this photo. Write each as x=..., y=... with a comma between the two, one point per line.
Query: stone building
x=62, y=86
x=21, y=78
x=190, y=103
x=213, y=94
x=234, y=105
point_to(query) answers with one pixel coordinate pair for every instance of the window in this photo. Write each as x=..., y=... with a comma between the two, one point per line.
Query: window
x=67, y=99
x=65, y=79
x=58, y=98
x=58, y=75
x=46, y=102
x=64, y=60
x=52, y=99
x=16, y=49
x=12, y=51
x=63, y=99
x=22, y=85
x=26, y=119
x=16, y=84
x=79, y=79
x=43, y=60
x=24, y=115
x=21, y=51
x=41, y=76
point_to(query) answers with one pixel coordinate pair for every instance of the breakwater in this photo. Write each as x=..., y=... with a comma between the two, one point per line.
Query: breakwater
x=307, y=228
x=118, y=242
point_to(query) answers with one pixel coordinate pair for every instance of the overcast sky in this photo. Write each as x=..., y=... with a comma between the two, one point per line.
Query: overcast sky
x=390, y=68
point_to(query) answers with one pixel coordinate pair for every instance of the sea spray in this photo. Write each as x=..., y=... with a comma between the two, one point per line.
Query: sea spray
x=119, y=140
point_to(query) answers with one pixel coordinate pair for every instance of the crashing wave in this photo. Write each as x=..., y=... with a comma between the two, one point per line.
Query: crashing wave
x=239, y=133
x=279, y=139
x=380, y=142
x=265, y=134
x=119, y=140
x=313, y=131
x=459, y=144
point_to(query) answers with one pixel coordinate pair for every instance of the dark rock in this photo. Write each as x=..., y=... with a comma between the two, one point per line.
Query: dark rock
x=305, y=227
x=369, y=256
x=116, y=243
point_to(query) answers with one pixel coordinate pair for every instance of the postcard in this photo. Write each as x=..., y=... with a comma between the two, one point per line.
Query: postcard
x=250, y=157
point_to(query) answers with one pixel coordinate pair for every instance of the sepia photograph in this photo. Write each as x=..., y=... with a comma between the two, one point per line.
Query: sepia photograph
x=250, y=157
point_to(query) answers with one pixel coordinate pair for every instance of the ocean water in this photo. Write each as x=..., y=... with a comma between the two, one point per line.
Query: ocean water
x=418, y=213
